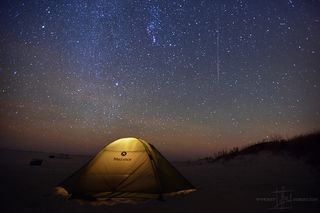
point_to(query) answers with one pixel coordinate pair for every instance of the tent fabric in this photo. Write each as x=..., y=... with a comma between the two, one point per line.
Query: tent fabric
x=126, y=168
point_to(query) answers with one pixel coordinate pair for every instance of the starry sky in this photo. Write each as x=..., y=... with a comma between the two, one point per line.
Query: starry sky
x=191, y=77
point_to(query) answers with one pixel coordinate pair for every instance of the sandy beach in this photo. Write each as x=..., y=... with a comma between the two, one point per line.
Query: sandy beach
x=244, y=184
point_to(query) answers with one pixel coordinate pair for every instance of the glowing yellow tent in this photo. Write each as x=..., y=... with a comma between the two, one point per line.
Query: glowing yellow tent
x=126, y=168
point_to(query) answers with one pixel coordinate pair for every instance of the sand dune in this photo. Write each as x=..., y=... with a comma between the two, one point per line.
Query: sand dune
x=239, y=185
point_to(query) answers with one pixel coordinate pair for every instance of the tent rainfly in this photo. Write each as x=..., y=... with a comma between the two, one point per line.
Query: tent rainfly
x=125, y=168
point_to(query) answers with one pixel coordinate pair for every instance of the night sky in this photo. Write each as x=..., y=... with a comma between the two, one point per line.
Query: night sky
x=190, y=77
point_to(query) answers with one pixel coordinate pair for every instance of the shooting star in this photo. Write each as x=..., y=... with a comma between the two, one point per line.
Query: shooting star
x=218, y=46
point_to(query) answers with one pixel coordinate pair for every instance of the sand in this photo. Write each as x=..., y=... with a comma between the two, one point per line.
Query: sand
x=244, y=184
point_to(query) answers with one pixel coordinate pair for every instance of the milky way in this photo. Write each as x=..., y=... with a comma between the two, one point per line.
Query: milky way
x=191, y=77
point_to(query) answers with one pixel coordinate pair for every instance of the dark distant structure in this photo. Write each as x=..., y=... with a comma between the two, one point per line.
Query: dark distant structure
x=36, y=162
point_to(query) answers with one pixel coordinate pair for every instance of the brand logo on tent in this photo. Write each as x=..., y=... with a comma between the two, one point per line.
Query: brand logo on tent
x=123, y=154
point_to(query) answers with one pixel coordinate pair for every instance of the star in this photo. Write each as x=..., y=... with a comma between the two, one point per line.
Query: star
x=199, y=73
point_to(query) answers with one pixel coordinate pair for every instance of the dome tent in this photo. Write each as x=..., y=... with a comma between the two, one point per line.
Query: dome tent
x=125, y=168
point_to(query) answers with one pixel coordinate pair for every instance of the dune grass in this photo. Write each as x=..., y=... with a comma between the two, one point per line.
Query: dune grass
x=306, y=147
